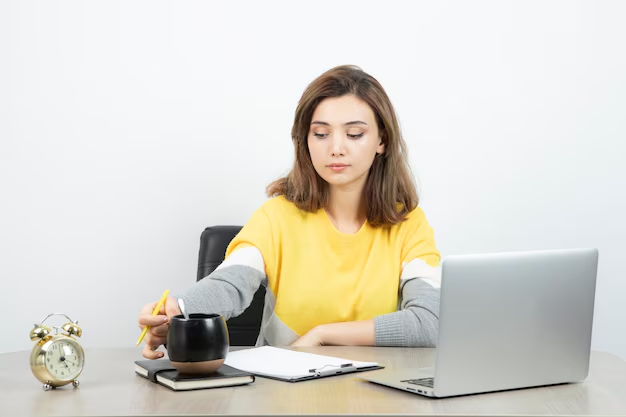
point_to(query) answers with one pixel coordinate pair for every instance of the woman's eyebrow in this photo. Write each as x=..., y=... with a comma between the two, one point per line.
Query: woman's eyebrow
x=354, y=122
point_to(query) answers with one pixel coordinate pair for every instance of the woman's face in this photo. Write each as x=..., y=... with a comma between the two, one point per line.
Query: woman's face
x=343, y=141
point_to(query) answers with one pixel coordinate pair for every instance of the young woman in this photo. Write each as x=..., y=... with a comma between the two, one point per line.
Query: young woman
x=345, y=253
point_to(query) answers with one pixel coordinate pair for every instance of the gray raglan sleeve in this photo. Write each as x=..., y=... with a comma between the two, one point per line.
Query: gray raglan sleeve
x=227, y=291
x=230, y=288
x=416, y=324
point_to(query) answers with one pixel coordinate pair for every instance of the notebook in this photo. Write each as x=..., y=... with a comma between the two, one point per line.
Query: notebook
x=162, y=372
x=293, y=366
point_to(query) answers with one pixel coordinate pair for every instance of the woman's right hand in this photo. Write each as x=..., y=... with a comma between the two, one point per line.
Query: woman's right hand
x=159, y=326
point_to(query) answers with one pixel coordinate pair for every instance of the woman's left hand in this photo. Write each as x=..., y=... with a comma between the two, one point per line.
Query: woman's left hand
x=312, y=338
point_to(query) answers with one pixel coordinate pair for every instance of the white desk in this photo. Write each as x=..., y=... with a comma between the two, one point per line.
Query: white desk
x=109, y=387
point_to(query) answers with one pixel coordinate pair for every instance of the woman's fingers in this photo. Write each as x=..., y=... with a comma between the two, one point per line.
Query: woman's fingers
x=150, y=320
x=171, y=307
x=149, y=353
x=157, y=335
x=160, y=331
x=152, y=343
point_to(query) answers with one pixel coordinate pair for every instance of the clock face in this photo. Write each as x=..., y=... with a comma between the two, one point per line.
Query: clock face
x=64, y=359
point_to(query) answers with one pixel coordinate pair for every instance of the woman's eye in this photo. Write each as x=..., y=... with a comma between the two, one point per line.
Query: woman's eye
x=351, y=136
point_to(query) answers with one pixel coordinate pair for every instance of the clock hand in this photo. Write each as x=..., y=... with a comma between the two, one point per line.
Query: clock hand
x=64, y=362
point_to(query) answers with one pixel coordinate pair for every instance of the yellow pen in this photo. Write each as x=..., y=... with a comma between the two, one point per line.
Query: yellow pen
x=154, y=313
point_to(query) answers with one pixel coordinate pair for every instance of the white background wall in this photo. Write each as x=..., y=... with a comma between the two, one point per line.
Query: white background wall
x=127, y=127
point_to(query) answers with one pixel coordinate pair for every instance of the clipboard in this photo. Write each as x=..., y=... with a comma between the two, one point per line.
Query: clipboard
x=293, y=366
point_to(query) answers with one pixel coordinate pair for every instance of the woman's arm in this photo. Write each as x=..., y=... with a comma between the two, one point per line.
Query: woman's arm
x=414, y=325
x=352, y=333
x=229, y=289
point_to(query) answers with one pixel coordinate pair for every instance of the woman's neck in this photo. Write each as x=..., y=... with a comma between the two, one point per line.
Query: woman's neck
x=346, y=209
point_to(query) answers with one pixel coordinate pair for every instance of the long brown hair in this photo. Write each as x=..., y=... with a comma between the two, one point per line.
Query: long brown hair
x=389, y=192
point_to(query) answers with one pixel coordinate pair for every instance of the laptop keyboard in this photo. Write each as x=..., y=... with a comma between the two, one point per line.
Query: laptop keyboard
x=425, y=382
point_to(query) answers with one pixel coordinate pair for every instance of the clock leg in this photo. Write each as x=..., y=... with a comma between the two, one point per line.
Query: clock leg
x=75, y=383
x=47, y=387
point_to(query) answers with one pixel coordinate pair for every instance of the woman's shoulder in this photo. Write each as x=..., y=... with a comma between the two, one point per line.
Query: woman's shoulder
x=279, y=206
x=415, y=214
x=415, y=218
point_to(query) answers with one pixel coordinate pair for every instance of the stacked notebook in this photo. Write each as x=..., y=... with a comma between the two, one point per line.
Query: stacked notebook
x=162, y=372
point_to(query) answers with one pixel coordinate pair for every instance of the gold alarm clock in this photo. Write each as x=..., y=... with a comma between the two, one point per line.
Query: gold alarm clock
x=57, y=359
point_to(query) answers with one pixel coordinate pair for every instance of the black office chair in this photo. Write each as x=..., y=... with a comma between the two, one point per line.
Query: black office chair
x=244, y=329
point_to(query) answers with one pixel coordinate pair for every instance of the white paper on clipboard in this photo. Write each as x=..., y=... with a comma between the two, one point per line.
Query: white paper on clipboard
x=292, y=365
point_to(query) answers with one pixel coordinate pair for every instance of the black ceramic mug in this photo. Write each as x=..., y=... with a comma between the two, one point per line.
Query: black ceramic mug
x=197, y=345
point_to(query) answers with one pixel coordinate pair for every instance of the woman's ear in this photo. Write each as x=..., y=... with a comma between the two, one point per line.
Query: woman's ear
x=381, y=147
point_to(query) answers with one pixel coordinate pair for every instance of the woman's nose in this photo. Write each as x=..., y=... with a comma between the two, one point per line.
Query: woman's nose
x=337, y=145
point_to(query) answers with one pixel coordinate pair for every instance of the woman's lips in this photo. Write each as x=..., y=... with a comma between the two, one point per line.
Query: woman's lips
x=338, y=167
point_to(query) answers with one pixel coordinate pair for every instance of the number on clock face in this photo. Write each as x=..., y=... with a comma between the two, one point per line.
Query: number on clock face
x=64, y=360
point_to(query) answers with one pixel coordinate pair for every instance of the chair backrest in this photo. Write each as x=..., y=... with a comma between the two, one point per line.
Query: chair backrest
x=244, y=329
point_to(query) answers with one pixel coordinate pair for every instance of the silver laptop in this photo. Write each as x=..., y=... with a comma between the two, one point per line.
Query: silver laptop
x=507, y=321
